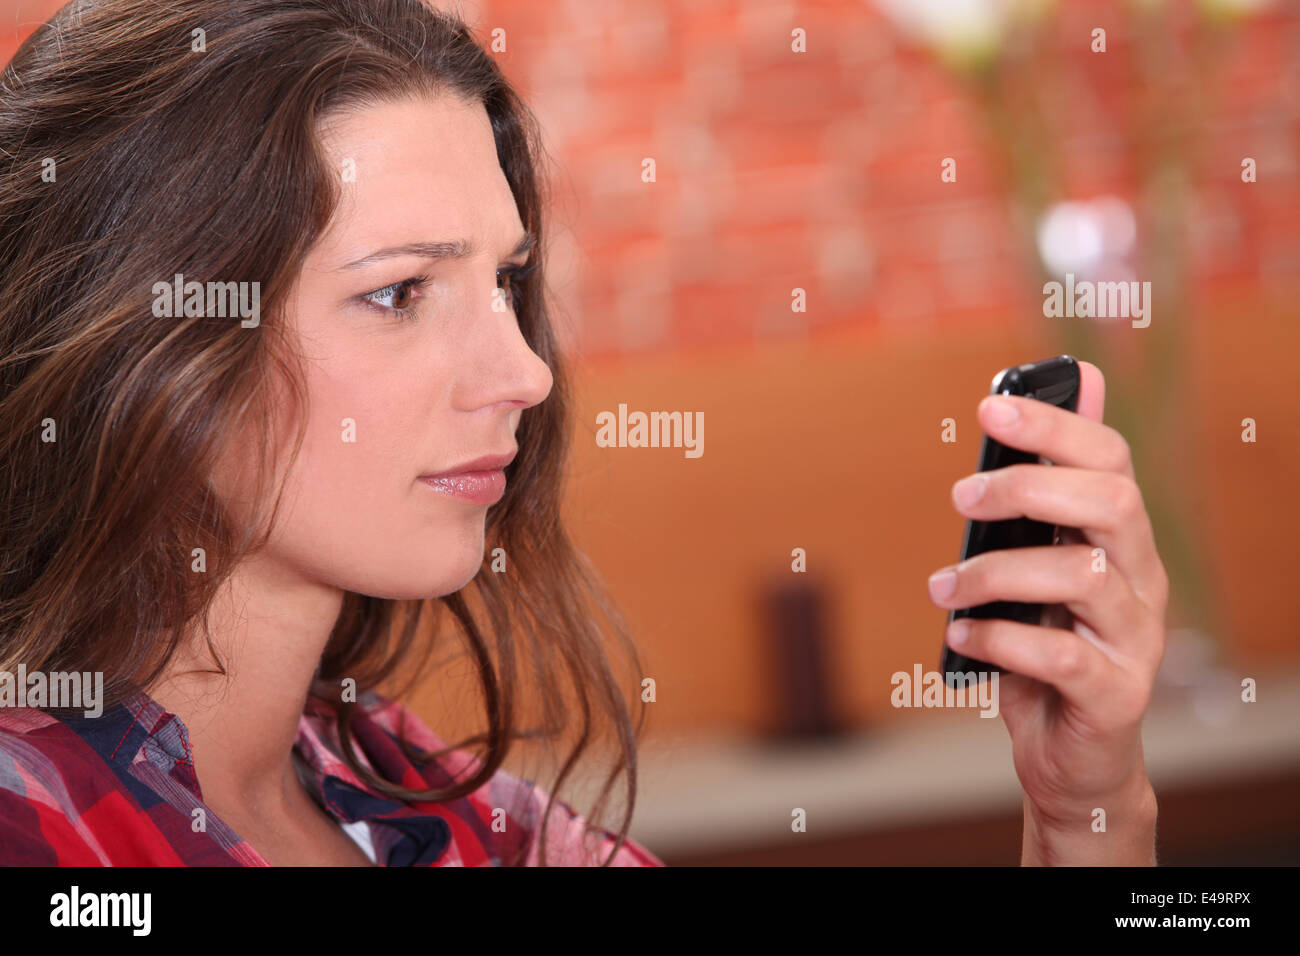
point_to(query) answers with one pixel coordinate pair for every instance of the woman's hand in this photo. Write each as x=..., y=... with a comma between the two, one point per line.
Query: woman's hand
x=1075, y=695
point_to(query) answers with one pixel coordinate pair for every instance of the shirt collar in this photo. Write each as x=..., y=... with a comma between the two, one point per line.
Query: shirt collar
x=140, y=729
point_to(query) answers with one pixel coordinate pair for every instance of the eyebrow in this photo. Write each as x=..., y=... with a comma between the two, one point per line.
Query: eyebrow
x=438, y=250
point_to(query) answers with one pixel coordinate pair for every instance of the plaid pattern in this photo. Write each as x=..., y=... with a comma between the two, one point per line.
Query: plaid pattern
x=120, y=790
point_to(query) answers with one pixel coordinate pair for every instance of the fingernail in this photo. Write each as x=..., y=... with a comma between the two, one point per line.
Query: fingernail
x=1002, y=411
x=969, y=490
x=958, y=631
x=943, y=584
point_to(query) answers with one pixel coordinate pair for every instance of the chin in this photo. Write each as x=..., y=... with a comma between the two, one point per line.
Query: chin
x=469, y=575
x=417, y=590
x=425, y=570
x=447, y=582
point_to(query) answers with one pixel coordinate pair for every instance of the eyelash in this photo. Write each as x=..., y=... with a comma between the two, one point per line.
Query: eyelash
x=512, y=273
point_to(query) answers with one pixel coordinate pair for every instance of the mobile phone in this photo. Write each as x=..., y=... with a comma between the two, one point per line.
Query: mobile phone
x=1055, y=381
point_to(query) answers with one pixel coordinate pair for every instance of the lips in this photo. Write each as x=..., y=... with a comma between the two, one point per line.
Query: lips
x=479, y=482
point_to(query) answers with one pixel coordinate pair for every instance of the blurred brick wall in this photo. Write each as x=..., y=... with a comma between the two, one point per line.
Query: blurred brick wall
x=778, y=170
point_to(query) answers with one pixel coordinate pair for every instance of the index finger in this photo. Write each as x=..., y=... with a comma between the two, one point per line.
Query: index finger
x=1078, y=440
x=1092, y=391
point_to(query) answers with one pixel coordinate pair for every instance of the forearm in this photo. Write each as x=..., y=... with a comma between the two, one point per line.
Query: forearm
x=1128, y=840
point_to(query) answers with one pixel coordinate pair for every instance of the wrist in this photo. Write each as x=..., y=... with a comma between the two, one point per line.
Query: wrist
x=1077, y=838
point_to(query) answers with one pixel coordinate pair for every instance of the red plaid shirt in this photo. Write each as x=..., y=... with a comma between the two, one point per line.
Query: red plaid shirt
x=119, y=790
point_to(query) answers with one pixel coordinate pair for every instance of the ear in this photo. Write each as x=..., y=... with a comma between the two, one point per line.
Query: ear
x=1092, y=391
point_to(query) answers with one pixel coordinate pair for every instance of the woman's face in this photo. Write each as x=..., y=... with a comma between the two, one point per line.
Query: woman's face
x=395, y=396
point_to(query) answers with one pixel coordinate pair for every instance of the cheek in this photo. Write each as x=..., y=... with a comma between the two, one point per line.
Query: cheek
x=354, y=472
x=354, y=514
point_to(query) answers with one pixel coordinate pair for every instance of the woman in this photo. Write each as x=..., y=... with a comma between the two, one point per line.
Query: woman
x=167, y=524
x=270, y=268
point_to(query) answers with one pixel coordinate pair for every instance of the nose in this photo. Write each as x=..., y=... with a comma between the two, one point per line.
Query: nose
x=535, y=376
x=502, y=366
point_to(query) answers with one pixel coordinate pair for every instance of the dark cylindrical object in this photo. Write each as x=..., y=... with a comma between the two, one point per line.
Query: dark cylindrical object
x=795, y=619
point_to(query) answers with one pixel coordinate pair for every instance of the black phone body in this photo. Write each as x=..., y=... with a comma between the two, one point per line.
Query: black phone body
x=1056, y=381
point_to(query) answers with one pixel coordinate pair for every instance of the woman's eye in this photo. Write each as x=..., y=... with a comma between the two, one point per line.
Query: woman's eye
x=507, y=281
x=396, y=297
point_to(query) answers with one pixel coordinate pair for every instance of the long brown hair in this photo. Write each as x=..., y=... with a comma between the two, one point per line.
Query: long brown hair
x=129, y=153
